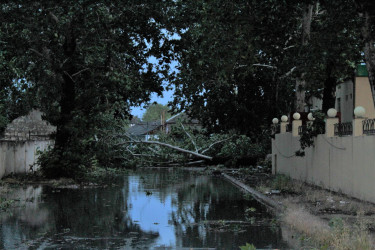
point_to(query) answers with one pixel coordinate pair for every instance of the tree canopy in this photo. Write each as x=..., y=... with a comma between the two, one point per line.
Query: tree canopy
x=87, y=63
x=239, y=61
x=155, y=112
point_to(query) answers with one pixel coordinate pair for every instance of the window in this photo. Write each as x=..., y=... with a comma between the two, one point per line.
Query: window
x=338, y=104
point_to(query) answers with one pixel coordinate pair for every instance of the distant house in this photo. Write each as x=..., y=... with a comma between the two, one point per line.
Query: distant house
x=146, y=131
x=184, y=119
x=350, y=94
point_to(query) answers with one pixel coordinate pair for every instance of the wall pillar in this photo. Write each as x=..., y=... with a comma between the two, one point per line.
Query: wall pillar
x=283, y=127
x=295, y=126
x=330, y=126
x=358, y=126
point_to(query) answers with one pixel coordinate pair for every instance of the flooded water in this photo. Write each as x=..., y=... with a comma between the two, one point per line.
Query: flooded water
x=153, y=209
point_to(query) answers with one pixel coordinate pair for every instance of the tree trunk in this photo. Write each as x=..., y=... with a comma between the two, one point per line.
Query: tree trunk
x=367, y=10
x=68, y=95
x=301, y=82
x=329, y=89
x=300, y=94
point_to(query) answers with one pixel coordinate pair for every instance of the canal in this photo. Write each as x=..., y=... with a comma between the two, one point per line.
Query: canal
x=148, y=209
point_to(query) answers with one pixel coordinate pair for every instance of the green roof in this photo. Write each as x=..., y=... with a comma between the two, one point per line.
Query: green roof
x=362, y=70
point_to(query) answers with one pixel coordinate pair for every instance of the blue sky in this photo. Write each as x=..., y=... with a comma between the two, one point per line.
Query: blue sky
x=167, y=96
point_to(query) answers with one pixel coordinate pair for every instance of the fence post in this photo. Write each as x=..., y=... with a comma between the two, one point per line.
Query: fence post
x=295, y=126
x=283, y=127
x=358, y=126
x=330, y=126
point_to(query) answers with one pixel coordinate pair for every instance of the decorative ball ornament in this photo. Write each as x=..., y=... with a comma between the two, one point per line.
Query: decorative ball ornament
x=359, y=111
x=310, y=117
x=296, y=116
x=332, y=113
x=275, y=121
x=284, y=118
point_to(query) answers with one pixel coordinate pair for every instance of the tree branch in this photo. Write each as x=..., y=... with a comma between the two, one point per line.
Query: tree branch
x=37, y=52
x=191, y=138
x=288, y=73
x=217, y=142
x=170, y=146
x=265, y=65
x=79, y=72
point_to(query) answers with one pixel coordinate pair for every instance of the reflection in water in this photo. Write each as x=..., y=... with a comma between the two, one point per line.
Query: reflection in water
x=148, y=209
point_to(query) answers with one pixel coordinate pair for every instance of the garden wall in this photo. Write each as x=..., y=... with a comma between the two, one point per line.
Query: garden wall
x=17, y=156
x=343, y=164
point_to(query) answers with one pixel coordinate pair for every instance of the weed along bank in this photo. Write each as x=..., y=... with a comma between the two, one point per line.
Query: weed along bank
x=21, y=141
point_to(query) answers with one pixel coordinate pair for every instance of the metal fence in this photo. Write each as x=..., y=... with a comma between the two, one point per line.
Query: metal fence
x=289, y=128
x=368, y=126
x=345, y=128
x=301, y=129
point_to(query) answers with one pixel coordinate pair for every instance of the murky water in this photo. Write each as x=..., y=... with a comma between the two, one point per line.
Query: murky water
x=150, y=209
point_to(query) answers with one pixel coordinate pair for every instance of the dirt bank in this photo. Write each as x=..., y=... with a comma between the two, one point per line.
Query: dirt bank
x=314, y=217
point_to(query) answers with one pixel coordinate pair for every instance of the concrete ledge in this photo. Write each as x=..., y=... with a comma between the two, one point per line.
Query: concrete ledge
x=268, y=202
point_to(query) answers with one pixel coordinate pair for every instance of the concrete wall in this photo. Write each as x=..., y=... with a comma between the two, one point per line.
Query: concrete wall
x=17, y=156
x=342, y=164
x=363, y=96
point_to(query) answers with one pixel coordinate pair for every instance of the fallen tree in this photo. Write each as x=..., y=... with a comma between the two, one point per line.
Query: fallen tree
x=185, y=146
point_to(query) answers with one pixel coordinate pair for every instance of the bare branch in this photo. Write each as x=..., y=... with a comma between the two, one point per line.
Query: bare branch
x=191, y=138
x=170, y=146
x=54, y=18
x=37, y=52
x=79, y=72
x=289, y=47
x=217, y=142
x=67, y=74
x=265, y=65
x=288, y=73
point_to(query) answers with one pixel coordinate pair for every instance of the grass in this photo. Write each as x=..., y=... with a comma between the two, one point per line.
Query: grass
x=306, y=203
x=337, y=234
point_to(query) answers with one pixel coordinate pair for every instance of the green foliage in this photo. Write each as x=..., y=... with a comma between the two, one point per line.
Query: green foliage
x=282, y=183
x=155, y=111
x=311, y=131
x=5, y=204
x=3, y=119
x=248, y=246
x=85, y=62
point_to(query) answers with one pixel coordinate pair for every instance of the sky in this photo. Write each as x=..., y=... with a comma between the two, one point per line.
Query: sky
x=167, y=96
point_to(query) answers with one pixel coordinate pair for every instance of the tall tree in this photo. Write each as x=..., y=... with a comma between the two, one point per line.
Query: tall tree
x=366, y=10
x=88, y=63
x=232, y=73
x=155, y=112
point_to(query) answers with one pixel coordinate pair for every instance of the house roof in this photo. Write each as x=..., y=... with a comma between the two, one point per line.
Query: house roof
x=184, y=117
x=143, y=128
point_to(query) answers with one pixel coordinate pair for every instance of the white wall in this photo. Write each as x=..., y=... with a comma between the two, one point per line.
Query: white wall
x=343, y=164
x=17, y=156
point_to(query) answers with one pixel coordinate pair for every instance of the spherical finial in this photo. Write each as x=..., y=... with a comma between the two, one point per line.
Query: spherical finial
x=296, y=116
x=332, y=113
x=284, y=118
x=359, y=111
x=310, y=117
x=275, y=121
